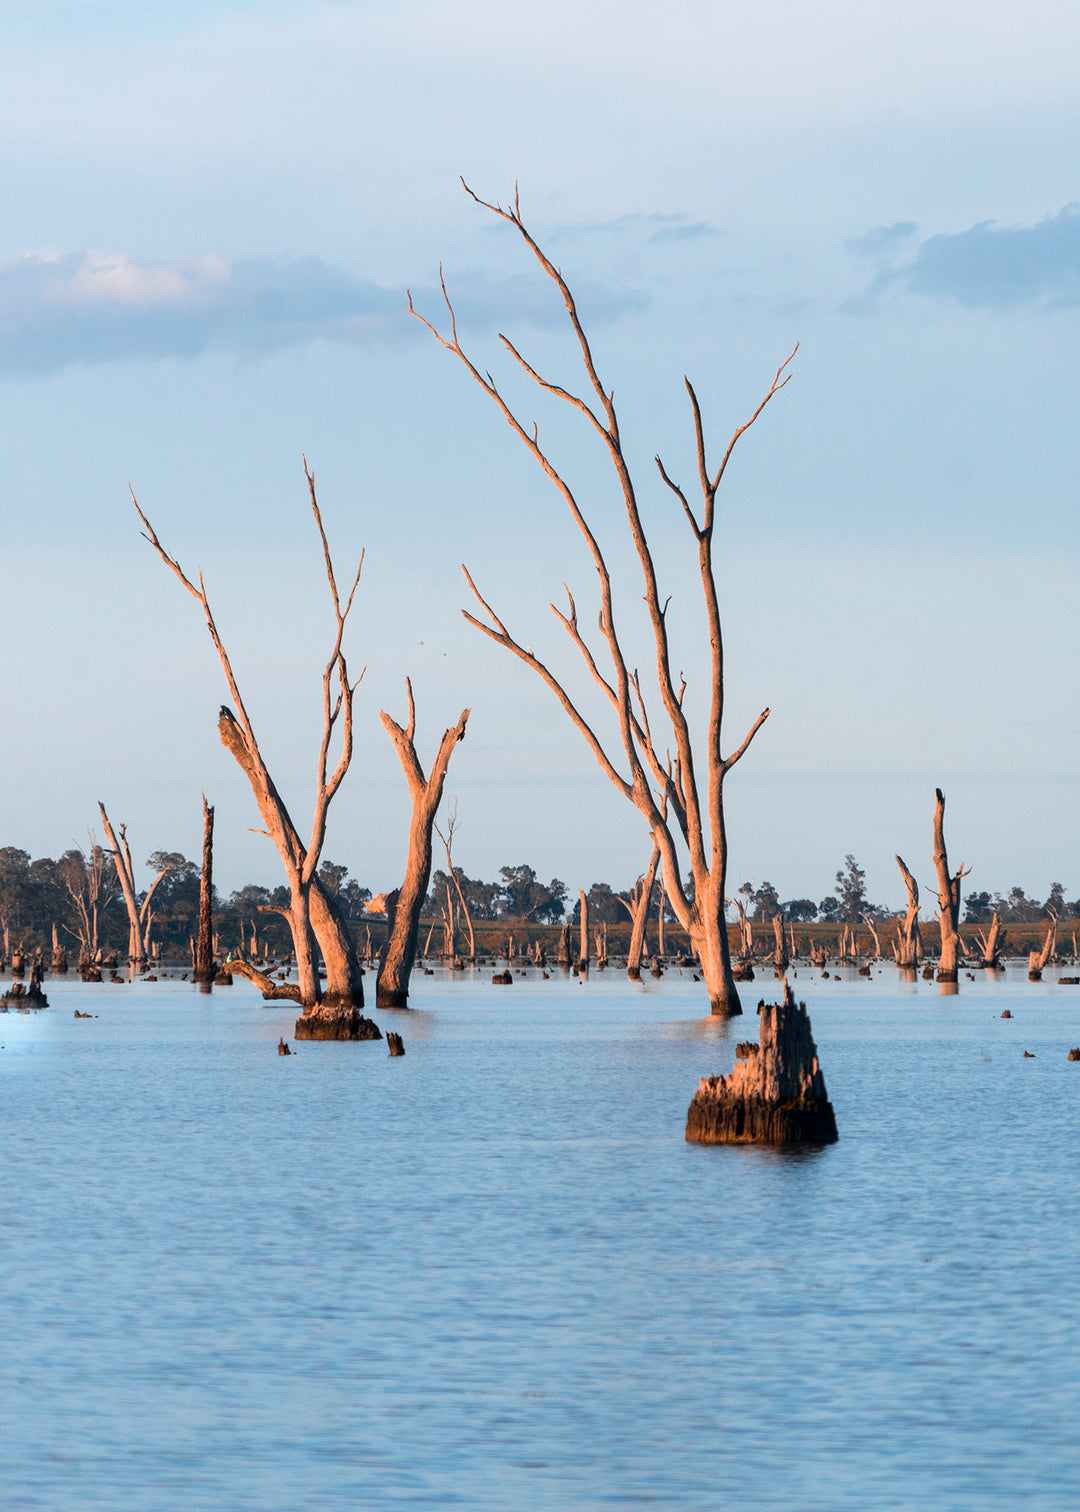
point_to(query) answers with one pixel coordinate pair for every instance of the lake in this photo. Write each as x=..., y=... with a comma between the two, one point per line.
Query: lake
x=492, y=1274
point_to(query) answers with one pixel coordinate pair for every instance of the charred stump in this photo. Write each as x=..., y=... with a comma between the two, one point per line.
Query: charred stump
x=776, y=1093
x=329, y=1023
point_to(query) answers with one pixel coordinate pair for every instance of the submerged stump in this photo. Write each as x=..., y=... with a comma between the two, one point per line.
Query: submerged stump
x=335, y=1024
x=776, y=1093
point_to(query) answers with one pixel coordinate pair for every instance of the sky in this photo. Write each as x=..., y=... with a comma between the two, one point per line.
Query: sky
x=212, y=214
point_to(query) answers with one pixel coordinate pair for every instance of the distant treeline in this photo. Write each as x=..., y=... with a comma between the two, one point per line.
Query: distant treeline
x=80, y=895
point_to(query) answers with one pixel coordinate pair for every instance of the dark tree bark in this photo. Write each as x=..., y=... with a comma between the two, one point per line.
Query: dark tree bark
x=205, y=970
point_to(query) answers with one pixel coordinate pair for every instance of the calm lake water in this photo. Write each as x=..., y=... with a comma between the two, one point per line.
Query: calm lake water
x=492, y=1275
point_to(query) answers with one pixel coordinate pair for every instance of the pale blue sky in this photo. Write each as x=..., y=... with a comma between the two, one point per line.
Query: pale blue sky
x=211, y=213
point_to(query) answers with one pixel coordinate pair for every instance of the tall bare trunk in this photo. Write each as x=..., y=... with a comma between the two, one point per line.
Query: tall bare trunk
x=204, y=955
x=908, y=942
x=642, y=897
x=948, y=897
x=583, y=931
x=399, y=951
x=993, y=943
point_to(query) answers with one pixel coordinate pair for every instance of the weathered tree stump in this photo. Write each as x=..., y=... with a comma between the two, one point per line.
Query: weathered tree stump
x=335, y=1024
x=394, y=1041
x=776, y=1093
x=502, y=978
x=1074, y=1054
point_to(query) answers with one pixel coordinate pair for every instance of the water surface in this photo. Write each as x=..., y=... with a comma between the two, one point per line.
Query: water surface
x=493, y=1275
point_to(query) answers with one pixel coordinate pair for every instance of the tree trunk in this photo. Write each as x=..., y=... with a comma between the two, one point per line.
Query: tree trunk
x=776, y=1093
x=399, y=951
x=583, y=932
x=993, y=943
x=780, y=955
x=344, y=976
x=1037, y=959
x=640, y=915
x=204, y=955
x=948, y=897
x=908, y=941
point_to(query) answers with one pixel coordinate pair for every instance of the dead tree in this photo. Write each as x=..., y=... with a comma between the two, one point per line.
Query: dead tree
x=583, y=931
x=908, y=943
x=638, y=909
x=137, y=913
x=448, y=843
x=746, y=930
x=780, y=955
x=948, y=897
x=992, y=943
x=404, y=903
x=692, y=780
x=876, y=937
x=1037, y=959
x=91, y=885
x=311, y=911
x=204, y=954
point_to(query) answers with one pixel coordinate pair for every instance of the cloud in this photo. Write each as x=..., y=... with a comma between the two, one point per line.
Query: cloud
x=59, y=309
x=655, y=227
x=992, y=267
x=882, y=241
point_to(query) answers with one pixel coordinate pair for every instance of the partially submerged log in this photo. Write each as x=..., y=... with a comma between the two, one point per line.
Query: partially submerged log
x=272, y=991
x=333, y=1023
x=776, y=1093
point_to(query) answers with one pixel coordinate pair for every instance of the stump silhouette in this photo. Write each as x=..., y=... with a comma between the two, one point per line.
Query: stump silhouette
x=776, y=1093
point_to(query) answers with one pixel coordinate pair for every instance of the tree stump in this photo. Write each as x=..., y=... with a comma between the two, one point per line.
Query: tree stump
x=776, y=1093
x=335, y=1024
x=394, y=1041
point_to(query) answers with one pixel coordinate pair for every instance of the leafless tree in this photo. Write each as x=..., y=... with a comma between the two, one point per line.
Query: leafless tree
x=641, y=895
x=404, y=903
x=1037, y=959
x=138, y=914
x=91, y=883
x=448, y=845
x=204, y=955
x=311, y=912
x=992, y=942
x=948, y=896
x=908, y=943
x=692, y=780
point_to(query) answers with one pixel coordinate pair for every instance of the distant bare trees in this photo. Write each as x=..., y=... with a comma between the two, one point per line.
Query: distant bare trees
x=139, y=915
x=677, y=784
x=948, y=896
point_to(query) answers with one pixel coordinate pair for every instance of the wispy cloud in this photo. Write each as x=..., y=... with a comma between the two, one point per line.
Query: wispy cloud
x=988, y=267
x=654, y=227
x=59, y=309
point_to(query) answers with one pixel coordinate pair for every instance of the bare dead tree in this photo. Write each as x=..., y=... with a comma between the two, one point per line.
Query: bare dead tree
x=692, y=781
x=448, y=844
x=876, y=937
x=1037, y=959
x=204, y=955
x=583, y=931
x=780, y=955
x=137, y=913
x=908, y=942
x=638, y=908
x=948, y=896
x=404, y=903
x=992, y=943
x=746, y=930
x=91, y=884
x=311, y=912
